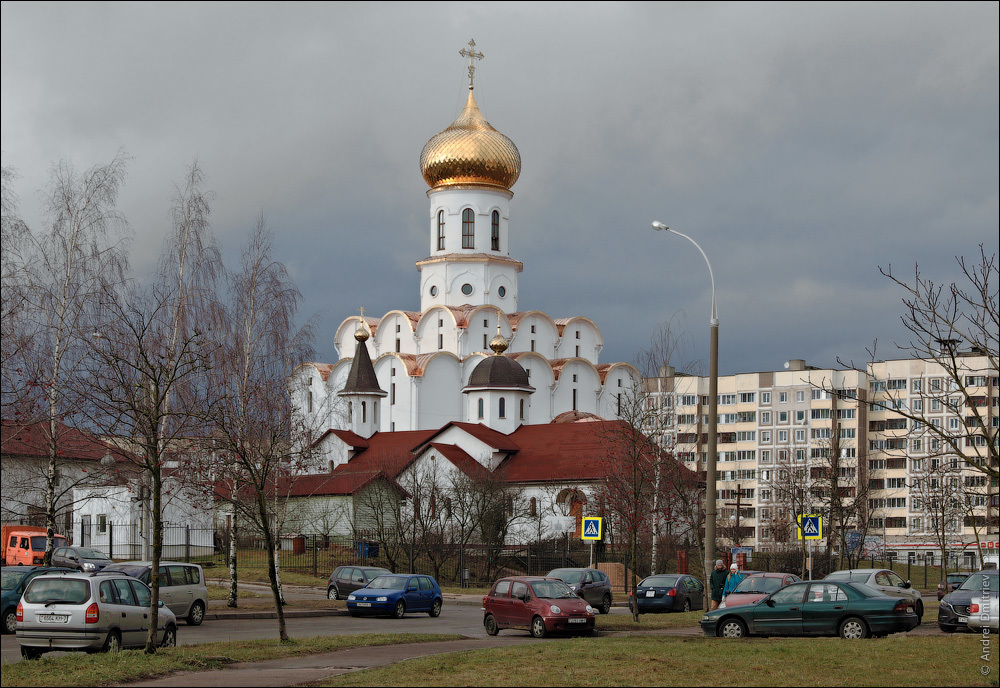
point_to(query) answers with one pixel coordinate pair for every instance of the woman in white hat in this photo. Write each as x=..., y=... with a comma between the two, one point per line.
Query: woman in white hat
x=732, y=580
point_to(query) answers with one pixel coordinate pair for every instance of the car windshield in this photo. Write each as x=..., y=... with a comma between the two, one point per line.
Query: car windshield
x=979, y=581
x=92, y=554
x=552, y=590
x=839, y=574
x=659, y=582
x=57, y=590
x=758, y=584
x=567, y=575
x=11, y=579
x=372, y=573
x=389, y=583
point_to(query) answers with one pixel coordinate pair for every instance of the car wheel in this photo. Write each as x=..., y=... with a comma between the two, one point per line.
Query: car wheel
x=113, y=643
x=853, y=628
x=732, y=628
x=400, y=610
x=920, y=610
x=197, y=614
x=538, y=627
x=10, y=621
x=333, y=593
x=947, y=629
x=605, y=607
x=435, y=609
x=169, y=637
x=31, y=652
x=491, y=625
x=687, y=605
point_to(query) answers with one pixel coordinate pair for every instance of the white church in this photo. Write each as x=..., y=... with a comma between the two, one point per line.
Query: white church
x=468, y=284
x=471, y=382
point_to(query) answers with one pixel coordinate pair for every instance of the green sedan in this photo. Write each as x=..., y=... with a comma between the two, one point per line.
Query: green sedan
x=850, y=610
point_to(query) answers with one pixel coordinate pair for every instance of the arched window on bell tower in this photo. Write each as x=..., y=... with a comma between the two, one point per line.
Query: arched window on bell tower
x=468, y=228
x=495, y=231
x=440, y=230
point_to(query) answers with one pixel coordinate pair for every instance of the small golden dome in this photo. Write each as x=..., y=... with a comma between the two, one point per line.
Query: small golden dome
x=498, y=344
x=470, y=151
x=361, y=334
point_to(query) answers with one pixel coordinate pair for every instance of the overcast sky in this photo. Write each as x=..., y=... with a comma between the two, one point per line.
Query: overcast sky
x=802, y=145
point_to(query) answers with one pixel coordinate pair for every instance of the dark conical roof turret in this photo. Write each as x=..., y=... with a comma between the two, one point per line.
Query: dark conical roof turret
x=361, y=379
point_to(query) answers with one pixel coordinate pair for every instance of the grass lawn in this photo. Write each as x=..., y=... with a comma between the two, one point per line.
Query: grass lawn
x=655, y=661
x=81, y=669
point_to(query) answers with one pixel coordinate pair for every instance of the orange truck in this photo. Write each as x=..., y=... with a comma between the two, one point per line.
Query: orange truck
x=25, y=545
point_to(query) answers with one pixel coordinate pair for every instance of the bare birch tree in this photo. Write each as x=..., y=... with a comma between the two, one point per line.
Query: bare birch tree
x=259, y=346
x=67, y=270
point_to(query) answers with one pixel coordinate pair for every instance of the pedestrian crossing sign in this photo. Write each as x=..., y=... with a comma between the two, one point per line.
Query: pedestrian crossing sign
x=810, y=527
x=591, y=528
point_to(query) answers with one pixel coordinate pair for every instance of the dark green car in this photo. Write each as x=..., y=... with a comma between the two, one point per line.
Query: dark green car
x=850, y=610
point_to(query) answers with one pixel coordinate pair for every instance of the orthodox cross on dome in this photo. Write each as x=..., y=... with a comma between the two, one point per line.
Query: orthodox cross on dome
x=471, y=53
x=361, y=331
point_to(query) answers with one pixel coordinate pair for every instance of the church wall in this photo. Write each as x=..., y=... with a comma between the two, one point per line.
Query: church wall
x=620, y=380
x=394, y=334
x=482, y=202
x=437, y=331
x=439, y=392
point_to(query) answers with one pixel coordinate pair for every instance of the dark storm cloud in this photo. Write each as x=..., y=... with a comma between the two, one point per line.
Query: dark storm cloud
x=802, y=145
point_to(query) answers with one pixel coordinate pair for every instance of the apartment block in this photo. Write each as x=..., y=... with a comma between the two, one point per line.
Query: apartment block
x=881, y=448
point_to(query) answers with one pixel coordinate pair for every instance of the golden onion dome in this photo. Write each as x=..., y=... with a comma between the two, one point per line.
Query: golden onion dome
x=470, y=151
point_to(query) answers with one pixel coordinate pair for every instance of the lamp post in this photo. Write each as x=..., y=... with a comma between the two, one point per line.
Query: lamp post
x=713, y=415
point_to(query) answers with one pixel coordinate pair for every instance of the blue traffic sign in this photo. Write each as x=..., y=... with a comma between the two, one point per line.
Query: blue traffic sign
x=591, y=527
x=810, y=527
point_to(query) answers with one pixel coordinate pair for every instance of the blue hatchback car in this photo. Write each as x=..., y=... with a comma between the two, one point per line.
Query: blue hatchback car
x=395, y=595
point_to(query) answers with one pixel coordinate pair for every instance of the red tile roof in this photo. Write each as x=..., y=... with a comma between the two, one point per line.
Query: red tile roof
x=32, y=441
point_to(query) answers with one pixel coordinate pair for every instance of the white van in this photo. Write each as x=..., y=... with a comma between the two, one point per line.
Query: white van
x=182, y=586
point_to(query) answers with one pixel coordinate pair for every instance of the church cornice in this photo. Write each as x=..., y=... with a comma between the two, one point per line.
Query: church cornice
x=470, y=258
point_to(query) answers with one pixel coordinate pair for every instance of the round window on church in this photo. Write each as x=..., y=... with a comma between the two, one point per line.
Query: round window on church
x=502, y=292
x=434, y=291
x=466, y=289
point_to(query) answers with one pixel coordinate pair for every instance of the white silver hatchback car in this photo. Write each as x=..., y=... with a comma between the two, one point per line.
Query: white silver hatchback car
x=89, y=612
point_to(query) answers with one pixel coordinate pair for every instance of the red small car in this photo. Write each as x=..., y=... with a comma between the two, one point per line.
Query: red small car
x=756, y=587
x=536, y=604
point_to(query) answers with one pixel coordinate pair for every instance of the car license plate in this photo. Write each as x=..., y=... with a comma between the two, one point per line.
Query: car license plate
x=650, y=593
x=963, y=619
x=364, y=604
x=53, y=618
x=578, y=621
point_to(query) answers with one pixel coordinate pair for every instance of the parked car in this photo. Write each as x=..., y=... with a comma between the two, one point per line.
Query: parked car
x=953, y=610
x=80, y=558
x=394, y=595
x=593, y=585
x=668, y=592
x=884, y=580
x=15, y=580
x=182, y=586
x=89, y=612
x=537, y=604
x=756, y=587
x=346, y=579
x=984, y=612
x=950, y=583
x=829, y=607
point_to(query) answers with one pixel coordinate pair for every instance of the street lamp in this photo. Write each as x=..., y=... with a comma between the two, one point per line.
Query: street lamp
x=713, y=414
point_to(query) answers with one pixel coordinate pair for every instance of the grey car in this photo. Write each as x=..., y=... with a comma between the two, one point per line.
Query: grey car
x=182, y=586
x=883, y=580
x=592, y=585
x=346, y=579
x=80, y=558
x=89, y=612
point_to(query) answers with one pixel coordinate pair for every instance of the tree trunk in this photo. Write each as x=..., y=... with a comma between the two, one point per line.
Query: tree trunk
x=233, y=590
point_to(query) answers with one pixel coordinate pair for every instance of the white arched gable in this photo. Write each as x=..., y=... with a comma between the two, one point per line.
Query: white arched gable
x=581, y=338
x=545, y=335
x=481, y=327
x=581, y=376
x=343, y=339
x=395, y=325
x=434, y=337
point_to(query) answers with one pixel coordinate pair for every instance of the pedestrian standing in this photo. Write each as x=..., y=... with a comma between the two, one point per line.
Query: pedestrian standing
x=717, y=583
x=732, y=580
